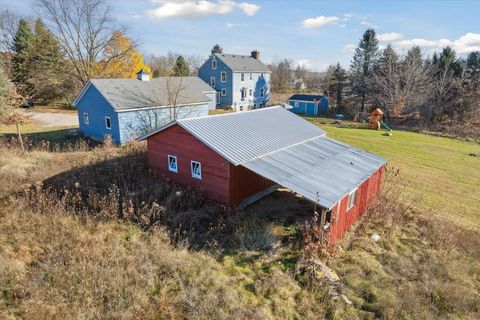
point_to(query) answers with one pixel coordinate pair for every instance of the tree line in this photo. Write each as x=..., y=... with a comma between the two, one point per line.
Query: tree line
x=47, y=59
x=435, y=89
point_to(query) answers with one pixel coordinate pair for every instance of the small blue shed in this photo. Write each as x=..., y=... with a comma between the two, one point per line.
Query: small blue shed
x=128, y=108
x=308, y=104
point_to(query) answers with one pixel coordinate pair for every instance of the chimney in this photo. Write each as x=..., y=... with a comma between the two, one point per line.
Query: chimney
x=143, y=75
x=255, y=54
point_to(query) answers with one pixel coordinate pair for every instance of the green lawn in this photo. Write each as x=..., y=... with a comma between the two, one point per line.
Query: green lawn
x=439, y=170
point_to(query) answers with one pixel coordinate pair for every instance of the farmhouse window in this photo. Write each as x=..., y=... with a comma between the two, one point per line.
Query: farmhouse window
x=224, y=92
x=85, y=118
x=242, y=76
x=212, y=81
x=108, y=123
x=250, y=76
x=243, y=93
x=352, y=197
x=172, y=163
x=250, y=92
x=196, y=169
x=223, y=76
x=214, y=64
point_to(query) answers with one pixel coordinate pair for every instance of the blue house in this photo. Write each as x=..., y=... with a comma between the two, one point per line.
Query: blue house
x=241, y=82
x=128, y=108
x=308, y=104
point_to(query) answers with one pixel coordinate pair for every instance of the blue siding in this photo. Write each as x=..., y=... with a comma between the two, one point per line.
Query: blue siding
x=97, y=108
x=134, y=124
x=205, y=72
x=309, y=108
x=233, y=85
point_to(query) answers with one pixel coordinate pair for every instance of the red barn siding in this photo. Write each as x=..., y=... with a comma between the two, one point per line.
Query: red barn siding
x=367, y=192
x=178, y=142
x=221, y=181
x=245, y=183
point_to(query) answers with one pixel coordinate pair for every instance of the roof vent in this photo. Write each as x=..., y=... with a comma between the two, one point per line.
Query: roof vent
x=143, y=75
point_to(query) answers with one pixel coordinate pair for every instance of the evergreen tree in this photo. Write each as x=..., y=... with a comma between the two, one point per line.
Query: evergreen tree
x=366, y=54
x=181, y=68
x=473, y=65
x=22, y=42
x=336, y=86
x=48, y=68
x=217, y=49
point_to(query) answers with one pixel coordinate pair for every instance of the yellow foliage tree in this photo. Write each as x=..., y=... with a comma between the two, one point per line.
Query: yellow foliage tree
x=121, y=59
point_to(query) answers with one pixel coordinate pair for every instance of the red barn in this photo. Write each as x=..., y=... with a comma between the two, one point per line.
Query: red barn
x=237, y=158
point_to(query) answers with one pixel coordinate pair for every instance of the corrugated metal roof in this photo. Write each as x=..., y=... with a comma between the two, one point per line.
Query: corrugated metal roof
x=238, y=62
x=323, y=165
x=126, y=94
x=243, y=136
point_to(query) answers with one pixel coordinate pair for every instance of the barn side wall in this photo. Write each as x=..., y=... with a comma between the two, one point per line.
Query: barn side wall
x=178, y=142
x=245, y=183
x=343, y=219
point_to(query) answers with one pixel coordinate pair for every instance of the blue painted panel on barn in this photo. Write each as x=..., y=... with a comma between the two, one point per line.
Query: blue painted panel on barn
x=93, y=110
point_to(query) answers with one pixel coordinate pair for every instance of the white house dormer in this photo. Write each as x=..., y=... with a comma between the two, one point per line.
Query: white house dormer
x=143, y=75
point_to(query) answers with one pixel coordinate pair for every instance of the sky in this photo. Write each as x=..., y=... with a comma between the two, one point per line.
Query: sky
x=311, y=33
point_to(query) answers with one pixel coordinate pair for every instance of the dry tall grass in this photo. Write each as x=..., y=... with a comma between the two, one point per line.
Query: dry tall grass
x=88, y=232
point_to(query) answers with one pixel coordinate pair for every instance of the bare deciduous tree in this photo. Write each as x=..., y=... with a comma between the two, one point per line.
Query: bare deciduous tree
x=84, y=28
x=8, y=28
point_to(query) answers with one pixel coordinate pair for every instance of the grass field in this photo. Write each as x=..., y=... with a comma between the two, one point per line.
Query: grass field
x=115, y=242
x=439, y=170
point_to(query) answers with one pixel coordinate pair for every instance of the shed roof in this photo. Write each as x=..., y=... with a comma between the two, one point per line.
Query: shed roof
x=306, y=97
x=125, y=94
x=323, y=165
x=286, y=149
x=238, y=62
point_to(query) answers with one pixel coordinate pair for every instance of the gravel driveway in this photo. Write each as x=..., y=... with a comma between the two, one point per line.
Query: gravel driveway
x=52, y=119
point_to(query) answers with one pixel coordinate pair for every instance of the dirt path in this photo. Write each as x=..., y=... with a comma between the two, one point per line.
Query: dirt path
x=52, y=119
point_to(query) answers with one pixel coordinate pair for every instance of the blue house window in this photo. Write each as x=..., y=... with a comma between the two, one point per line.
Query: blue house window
x=223, y=76
x=261, y=92
x=212, y=81
x=85, y=119
x=108, y=123
x=196, y=169
x=296, y=104
x=224, y=92
x=172, y=163
x=214, y=64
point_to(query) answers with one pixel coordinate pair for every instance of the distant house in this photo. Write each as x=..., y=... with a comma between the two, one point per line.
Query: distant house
x=227, y=158
x=308, y=104
x=241, y=82
x=125, y=109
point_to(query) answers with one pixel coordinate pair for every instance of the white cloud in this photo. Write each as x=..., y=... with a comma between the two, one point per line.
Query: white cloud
x=230, y=25
x=349, y=47
x=368, y=24
x=250, y=9
x=320, y=21
x=348, y=15
x=168, y=9
x=465, y=44
x=390, y=36
x=304, y=63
